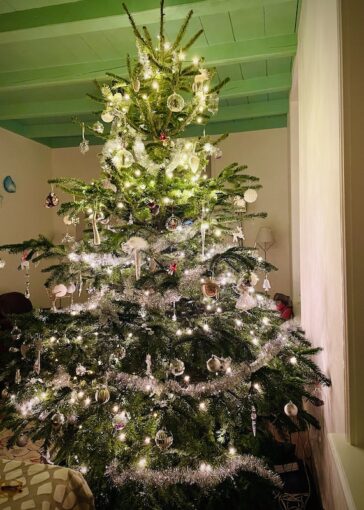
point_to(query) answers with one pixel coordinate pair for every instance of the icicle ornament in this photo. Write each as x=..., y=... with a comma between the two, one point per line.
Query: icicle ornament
x=253, y=417
x=85, y=144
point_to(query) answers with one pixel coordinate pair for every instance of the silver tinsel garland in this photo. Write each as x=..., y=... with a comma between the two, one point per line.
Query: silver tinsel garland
x=151, y=385
x=239, y=373
x=206, y=476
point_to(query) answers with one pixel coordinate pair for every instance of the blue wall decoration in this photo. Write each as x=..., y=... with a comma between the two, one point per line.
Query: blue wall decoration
x=9, y=184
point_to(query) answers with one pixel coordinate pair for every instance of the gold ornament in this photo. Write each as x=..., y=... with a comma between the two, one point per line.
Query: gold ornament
x=210, y=288
x=163, y=439
x=102, y=395
x=57, y=420
x=214, y=364
x=291, y=409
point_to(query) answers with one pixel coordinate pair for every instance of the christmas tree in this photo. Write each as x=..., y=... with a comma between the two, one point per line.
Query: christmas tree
x=169, y=383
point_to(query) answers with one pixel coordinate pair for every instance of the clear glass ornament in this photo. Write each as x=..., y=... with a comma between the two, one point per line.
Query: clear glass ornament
x=123, y=159
x=163, y=439
x=98, y=127
x=173, y=223
x=177, y=367
x=175, y=102
x=213, y=103
x=84, y=146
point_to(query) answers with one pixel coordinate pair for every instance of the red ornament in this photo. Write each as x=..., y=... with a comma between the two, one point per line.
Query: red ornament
x=172, y=268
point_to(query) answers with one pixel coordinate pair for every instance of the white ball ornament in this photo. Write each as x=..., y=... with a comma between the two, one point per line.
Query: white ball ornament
x=71, y=289
x=107, y=117
x=250, y=196
x=291, y=409
x=2, y=263
x=59, y=290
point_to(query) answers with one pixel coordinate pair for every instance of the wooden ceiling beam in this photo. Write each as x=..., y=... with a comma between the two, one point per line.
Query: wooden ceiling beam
x=87, y=16
x=217, y=55
x=74, y=107
x=225, y=114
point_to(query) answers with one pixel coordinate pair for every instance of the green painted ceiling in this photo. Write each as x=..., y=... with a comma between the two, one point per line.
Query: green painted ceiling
x=52, y=50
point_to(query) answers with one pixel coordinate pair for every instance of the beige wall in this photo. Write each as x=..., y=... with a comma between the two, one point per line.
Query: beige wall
x=23, y=214
x=266, y=154
x=320, y=227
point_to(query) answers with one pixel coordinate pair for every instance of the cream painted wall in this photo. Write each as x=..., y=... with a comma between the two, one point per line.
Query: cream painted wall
x=23, y=214
x=266, y=154
x=317, y=71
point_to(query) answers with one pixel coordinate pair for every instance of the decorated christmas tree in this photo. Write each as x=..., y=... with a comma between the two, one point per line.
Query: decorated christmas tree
x=166, y=377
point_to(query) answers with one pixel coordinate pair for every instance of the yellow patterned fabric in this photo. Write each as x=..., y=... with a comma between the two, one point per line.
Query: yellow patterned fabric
x=45, y=487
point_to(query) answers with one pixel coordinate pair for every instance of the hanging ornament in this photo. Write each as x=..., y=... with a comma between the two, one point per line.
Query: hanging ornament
x=59, y=290
x=22, y=440
x=136, y=84
x=130, y=220
x=123, y=159
x=266, y=284
x=218, y=153
x=291, y=409
x=213, y=364
x=172, y=268
x=148, y=361
x=213, y=103
x=17, y=376
x=38, y=350
x=134, y=247
x=15, y=333
x=253, y=417
x=238, y=234
x=120, y=420
x=254, y=279
x=173, y=223
x=102, y=395
x=164, y=138
x=210, y=288
x=2, y=263
x=239, y=203
x=176, y=367
x=194, y=163
x=95, y=230
x=51, y=200
x=80, y=370
x=85, y=144
x=5, y=393
x=68, y=239
x=98, y=127
x=225, y=364
x=174, y=316
x=175, y=102
x=107, y=116
x=24, y=348
x=163, y=439
x=118, y=354
x=154, y=208
x=57, y=420
x=250, y=196
x=71, y=289
x=246, y=301
x=9, y=184
x=199, y=80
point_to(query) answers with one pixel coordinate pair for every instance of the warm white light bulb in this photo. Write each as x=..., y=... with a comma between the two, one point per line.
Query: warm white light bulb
x=293, y=360
x=142, y=462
